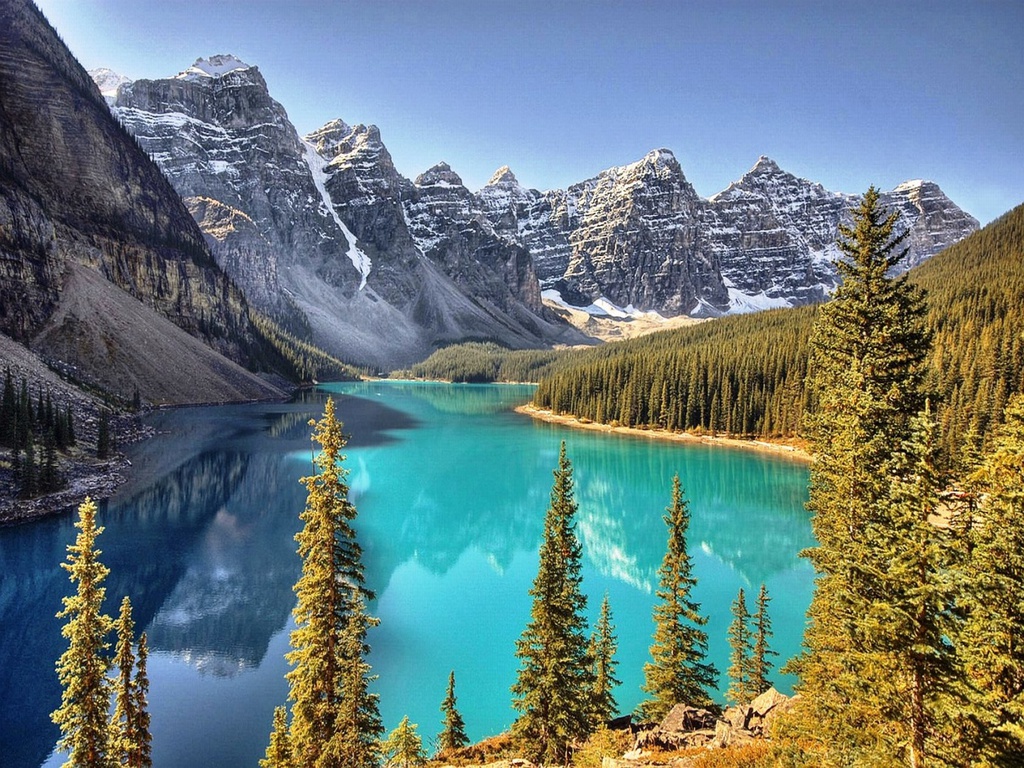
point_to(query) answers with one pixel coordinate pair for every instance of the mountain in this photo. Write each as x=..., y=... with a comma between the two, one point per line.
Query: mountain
x=638, y=236
x=100, y=262
x=321, y=232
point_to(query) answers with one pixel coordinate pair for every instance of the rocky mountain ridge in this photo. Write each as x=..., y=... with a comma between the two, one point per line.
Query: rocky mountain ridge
x=90, y=230
x=326, y=235
x=321, y=232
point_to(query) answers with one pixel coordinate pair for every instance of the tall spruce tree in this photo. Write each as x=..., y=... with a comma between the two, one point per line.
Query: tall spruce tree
x=453, y=731
x=991, y=643
x=552, y=692
x=603, y=645
x=335, y=720
x=679, y=672
x=871, y=626
x=740, y=672
x=760, y=664
x=279, y=751
x=141, y=753
x=129, y=724
x=403, y=747
x=82, y=668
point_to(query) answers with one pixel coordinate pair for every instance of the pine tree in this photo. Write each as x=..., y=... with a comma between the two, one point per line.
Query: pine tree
x=760, y=665
x=603, y=645
x=82, y=668
x=871, y=619
x=552, y=691
x=141, y=754
x=8, y=413
x=403, y=746
x=679, y=672
x=124, y=722
x=991, y=643
x=279, y=752
x=334, y=719
x=740, y=672
x=453, y=733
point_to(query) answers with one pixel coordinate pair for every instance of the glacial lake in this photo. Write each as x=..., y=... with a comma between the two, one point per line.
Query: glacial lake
x=451, y=488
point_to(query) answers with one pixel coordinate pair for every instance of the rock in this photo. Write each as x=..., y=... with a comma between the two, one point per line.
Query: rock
x=767, y=701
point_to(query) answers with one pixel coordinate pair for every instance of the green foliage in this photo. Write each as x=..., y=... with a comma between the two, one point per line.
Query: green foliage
x=334, y=719
x=679, y=672
x=603, y=645
x=404, y=747
x=297, y=359
x=484, y=362
x=555, y=680
x=875, y=651
x=761, y=665
x=991, y=644
x=741, y=687
x=453, y=732
x=601, y=744
x=82, y=668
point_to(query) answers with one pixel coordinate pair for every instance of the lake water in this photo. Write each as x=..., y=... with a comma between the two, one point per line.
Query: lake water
x=451, y=489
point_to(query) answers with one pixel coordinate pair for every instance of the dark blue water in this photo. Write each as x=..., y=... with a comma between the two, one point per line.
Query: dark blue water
x=451, y=488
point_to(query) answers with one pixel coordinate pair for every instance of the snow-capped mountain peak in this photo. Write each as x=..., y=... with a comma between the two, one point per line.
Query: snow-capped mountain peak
x=504, y=177
x=108, y=81
x=215, y=66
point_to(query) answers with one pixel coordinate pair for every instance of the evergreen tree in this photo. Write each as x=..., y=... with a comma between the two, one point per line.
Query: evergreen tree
x=334, y=719
x=403, y=746
x=992, y=641
x=552, y=692
x=28, y=472
x=740, y=672
x=453, y=733
x=679, y=672
x=279, y=753
x=141, y=753
x=865, y=673
x=82, y=668
x=761, y=666
x=8, y=413
x=603, y=645
x=124, y=722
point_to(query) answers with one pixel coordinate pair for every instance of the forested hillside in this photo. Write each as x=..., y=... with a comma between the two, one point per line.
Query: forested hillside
x=745, y=375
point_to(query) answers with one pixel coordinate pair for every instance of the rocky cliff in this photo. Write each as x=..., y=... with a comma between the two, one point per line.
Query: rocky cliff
x=319, y=230
x=77, y=193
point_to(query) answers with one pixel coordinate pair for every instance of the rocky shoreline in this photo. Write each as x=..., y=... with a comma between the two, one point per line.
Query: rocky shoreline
x=794, y=452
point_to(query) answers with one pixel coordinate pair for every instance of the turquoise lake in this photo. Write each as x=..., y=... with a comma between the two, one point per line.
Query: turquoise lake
x=451, y=488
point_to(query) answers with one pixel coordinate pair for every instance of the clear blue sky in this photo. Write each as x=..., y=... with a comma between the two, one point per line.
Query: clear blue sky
x=845, y=94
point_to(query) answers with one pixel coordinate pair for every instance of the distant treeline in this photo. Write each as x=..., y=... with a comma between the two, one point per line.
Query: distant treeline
x=299, y=360
x=482, y=362
x=744, y=375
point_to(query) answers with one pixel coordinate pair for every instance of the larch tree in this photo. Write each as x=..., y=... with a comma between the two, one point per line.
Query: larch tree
x=403, y=747
x=991, y=643
x=82, y=668
x=555, y=679
x=140, y=754
x=124, y=724
x=760, y=663
x=679, y=672
x=603, y=645
x=871, y=630
x=334, y=718
x=740, y=672
x=453, y=730
x=279, y=752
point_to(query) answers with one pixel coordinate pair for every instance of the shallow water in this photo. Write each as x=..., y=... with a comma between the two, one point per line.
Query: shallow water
x=451, y=488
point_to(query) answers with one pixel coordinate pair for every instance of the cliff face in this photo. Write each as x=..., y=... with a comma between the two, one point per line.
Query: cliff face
x=320, y=230
x=76, y=190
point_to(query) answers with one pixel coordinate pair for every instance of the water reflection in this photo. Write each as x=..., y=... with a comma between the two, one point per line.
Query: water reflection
x=451, y=489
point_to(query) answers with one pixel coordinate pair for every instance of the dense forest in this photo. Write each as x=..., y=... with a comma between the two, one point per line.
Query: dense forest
x=745, y=375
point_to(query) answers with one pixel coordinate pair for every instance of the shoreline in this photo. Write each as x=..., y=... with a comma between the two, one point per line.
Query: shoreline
x=778, y=449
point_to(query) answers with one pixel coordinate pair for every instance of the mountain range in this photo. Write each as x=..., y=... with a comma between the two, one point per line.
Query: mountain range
x=323, y=234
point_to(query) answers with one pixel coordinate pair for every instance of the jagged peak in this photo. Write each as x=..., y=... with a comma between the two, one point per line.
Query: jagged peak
x=108, y=81
x=215, y=66
x=765, y=164
x=503, y=176
x=439, y=175
x=914, y=184
x=336, y=127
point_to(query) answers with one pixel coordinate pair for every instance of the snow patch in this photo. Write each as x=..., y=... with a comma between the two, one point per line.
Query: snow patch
x=602, y=307
x=743, y=303
x=317, y=168
x=215, y=66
